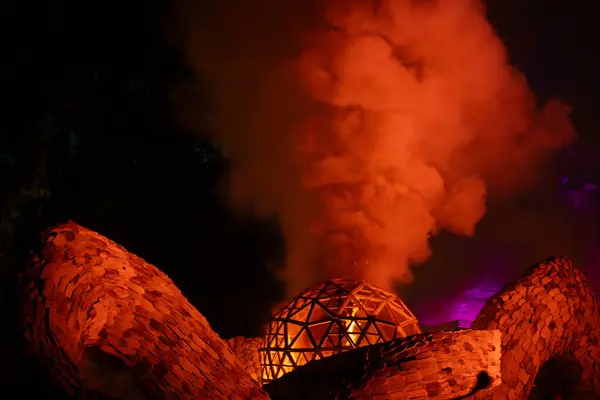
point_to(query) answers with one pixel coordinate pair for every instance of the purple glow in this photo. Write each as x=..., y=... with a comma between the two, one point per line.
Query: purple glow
x=468, y=305
x=579, y=197
x=582, y=198
x=462, y=308
x=500, y=262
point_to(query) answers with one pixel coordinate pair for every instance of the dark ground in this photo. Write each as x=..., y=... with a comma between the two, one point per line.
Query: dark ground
x=87, y=134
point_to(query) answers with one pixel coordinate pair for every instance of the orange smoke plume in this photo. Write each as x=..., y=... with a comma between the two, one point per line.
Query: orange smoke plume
x=369, y=126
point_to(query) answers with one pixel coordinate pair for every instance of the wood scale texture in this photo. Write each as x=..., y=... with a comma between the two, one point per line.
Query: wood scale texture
x=110, y=325
x=246, y=349
x=441, y=365
x=550, y=312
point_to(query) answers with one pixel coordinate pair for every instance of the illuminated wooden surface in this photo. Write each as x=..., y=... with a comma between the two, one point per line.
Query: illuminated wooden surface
x=105, y=321
x=329, y=318
x=550, y=312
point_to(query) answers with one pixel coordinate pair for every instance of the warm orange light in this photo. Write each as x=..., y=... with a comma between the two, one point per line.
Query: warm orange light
x=93, y=310
x=369, y=126
x=329, y=318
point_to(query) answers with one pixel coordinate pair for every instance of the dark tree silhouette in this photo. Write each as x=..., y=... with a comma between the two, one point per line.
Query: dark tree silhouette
x=90, y=136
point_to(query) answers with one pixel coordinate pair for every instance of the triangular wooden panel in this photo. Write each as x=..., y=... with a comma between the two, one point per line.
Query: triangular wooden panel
x=318, y=331
x=305, y=357
x=301, y=314
x=303, y=341
x=355, y=339
x=293, y=337
x=372, y=329
x=319, y=314
x=386, y=315
x=329, y=318
x=387, y=332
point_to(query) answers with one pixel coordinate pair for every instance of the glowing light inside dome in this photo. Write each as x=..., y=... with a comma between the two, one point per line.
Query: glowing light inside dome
x=329, y=318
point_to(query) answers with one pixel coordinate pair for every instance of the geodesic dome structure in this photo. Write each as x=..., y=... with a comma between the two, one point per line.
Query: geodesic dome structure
x=329, y=318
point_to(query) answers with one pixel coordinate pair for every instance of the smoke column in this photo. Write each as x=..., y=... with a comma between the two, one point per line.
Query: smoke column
x=366, y=126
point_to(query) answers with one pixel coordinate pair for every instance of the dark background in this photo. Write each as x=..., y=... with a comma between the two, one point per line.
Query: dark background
x=87, y=133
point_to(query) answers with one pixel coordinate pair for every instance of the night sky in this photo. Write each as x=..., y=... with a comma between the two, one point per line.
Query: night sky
x=88, y=133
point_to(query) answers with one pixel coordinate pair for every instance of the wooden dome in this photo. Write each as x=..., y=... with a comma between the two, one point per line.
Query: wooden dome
x=329, y=318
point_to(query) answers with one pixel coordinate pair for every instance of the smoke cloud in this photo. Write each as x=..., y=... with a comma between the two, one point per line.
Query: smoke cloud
x=367, y=126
